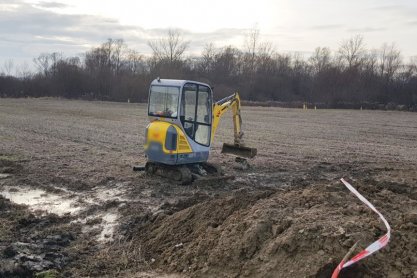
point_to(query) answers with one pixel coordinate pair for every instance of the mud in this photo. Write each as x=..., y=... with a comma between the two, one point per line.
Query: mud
x=70, y=203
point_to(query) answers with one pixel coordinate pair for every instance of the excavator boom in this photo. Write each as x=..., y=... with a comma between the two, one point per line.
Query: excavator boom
x=219, y=108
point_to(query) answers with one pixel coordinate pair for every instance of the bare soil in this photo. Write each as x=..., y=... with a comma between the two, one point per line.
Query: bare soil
x=70, y=204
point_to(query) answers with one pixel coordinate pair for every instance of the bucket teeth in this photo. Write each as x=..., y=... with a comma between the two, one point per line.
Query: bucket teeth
x=239, y=150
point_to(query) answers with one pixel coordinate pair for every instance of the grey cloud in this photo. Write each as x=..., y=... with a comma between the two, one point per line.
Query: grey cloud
x=397, y=10
x=413, y=23
x=366, y=29
x=224, y=33
x=387, y=8
x=217, y=35
x=327, y=27
x=46, y=4
x=31, y=21
x=49, y=31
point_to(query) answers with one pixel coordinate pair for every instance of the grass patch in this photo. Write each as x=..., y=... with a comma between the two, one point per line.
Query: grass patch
x=52, y=273
x=9, y=157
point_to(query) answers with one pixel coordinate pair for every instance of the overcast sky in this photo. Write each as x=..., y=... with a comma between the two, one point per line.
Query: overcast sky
x=28, y=28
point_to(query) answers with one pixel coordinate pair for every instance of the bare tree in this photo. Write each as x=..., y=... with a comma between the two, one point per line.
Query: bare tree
x=8, y=67
x=135, y=62
x=227, y=62
x=389, y=61
x=265, y=49
x=110, y=55
x=410, y=70
x=106, y=49
x=251, y=44
x=413, y=66
x=117, y=53
x=257, y=53
x=170, y=48
x=320, y=60
x=207, y=58
x=351, y=51
x=42, y=62
x=370, y=62
x=264, y=59
x=23, y=71
x=54, y=59
x=112, y=71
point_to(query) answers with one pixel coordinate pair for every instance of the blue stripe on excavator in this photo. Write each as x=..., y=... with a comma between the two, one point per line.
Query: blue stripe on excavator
x=195, y=157
x=156, y=154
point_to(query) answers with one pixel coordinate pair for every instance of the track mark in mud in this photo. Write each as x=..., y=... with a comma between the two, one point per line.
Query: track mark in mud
x=109, y=224
x=106, y=222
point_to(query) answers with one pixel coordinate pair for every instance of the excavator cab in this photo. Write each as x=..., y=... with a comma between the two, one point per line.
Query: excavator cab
x=181, y=122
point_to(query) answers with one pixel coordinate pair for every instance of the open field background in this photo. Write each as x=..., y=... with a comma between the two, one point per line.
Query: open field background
x=287, y=216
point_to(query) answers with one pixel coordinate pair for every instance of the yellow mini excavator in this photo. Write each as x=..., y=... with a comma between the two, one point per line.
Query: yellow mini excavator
x=183, y=121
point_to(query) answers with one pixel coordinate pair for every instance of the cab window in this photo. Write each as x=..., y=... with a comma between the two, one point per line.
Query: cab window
x=195, y=112
x=188, y=103
x=204, y=105
x=163, y=101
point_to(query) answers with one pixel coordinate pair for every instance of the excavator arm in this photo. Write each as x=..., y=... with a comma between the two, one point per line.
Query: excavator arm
x=219, y=108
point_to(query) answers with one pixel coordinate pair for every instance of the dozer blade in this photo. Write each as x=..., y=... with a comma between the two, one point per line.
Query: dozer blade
x=239, y=150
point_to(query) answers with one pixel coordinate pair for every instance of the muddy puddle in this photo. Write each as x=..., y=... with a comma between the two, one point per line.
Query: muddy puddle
x=77, y=205
x=40, y=200
x=109, y=223
x=4, y=176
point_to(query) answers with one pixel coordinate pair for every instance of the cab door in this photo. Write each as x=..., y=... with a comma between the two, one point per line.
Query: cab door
x=195, y=113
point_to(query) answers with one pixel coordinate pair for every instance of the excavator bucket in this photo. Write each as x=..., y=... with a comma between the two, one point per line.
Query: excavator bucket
x=239, y=150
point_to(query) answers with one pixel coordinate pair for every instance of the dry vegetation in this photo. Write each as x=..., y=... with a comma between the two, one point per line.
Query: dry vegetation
x=287, y=216
x=348, y=77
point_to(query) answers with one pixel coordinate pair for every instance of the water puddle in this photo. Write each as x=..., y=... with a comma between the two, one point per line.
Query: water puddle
x=109, y=223
x=4, y=176
x=40, y=200
x=73, y=203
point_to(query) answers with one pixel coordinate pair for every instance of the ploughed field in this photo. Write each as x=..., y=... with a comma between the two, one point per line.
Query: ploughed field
x=71, y=205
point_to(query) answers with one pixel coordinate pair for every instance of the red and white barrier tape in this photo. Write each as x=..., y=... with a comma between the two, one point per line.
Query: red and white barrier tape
x=380, y=243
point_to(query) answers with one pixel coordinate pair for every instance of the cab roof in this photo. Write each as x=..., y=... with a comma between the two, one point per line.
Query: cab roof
x=175, y=82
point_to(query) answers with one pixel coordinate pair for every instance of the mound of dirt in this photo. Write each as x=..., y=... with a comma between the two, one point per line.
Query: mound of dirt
x=302, y=232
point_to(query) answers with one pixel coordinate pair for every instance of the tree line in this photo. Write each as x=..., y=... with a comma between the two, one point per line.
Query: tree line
x=351, y=76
